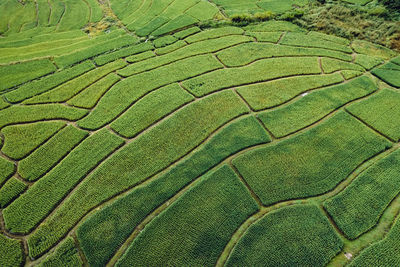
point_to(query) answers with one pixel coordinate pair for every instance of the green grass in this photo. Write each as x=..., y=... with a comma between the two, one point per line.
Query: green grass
x=20, y=114
x=228, y=205
x=314, y=106
x=358, y=208
x=246, y=53
x=47, y=156
x=13, y=75
x=11, y=253
x=10, y=191
x=273, y=93
x=20, y=140
x=66, y=254
x=299, y=235
x=114, y=176
x=381, y=111
x=103, y=232
x=126, y=92
x=382, y=253
x=330, y=152
x=44, y=196
x=259, y=71
x=40, y=86
x=163, y=102
x=71, y=88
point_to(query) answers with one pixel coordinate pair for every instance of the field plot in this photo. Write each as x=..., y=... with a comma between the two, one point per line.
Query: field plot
x=137, y=133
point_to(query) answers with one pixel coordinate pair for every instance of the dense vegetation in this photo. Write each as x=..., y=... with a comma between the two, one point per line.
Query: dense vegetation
x=199, y=133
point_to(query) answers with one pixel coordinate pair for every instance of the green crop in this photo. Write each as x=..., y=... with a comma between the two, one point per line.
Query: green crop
x=47, y=156
x=114, y=176
x=66, y=254
x=44, y=195
x=126, y=92
x=12, y=75
x=259, y=71
x=163, y=101
x=381, y=112
x=329, y=153
x=215, y=207
x=299, y=235
x=358, y=208
x=234, y=137
x=10, y=191
x=20, y=140
x=11, y=253
x=314, y=106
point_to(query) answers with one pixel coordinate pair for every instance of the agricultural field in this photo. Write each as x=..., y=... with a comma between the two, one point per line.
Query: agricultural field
x=163, y=133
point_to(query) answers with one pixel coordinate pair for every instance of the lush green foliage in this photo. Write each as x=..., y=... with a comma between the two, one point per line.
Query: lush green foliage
x=299, y=235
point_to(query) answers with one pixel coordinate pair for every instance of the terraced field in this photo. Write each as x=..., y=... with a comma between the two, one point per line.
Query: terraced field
x=161, y=142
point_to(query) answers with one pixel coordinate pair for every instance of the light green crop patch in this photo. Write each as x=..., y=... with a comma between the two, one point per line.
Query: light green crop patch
x=11, y=253
x=247, y=53
x=390, y=73
x=66, y=254
x=123, y=52
x=46, y=157
x=202, y=47
x=36, y=87
x=91, y=95
x=126, y=92
x=13, y=75
x=359, y=206
x=20, y=114
x=329, y=153
x=214, y=33
x=298, y=235
x=370, y=49
x=10, y=191
x=259, y=71
x=330, y=65
x=20, y=140
x=75, y=86
x=314, y=106
x=273, y=93
x=172, y=237
x=41, y=198
x=163, y=101
x=202, y=117
x=381, y=111
x=99, y=239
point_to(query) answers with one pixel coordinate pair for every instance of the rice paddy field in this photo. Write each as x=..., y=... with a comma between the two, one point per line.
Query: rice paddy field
x=133, y=133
